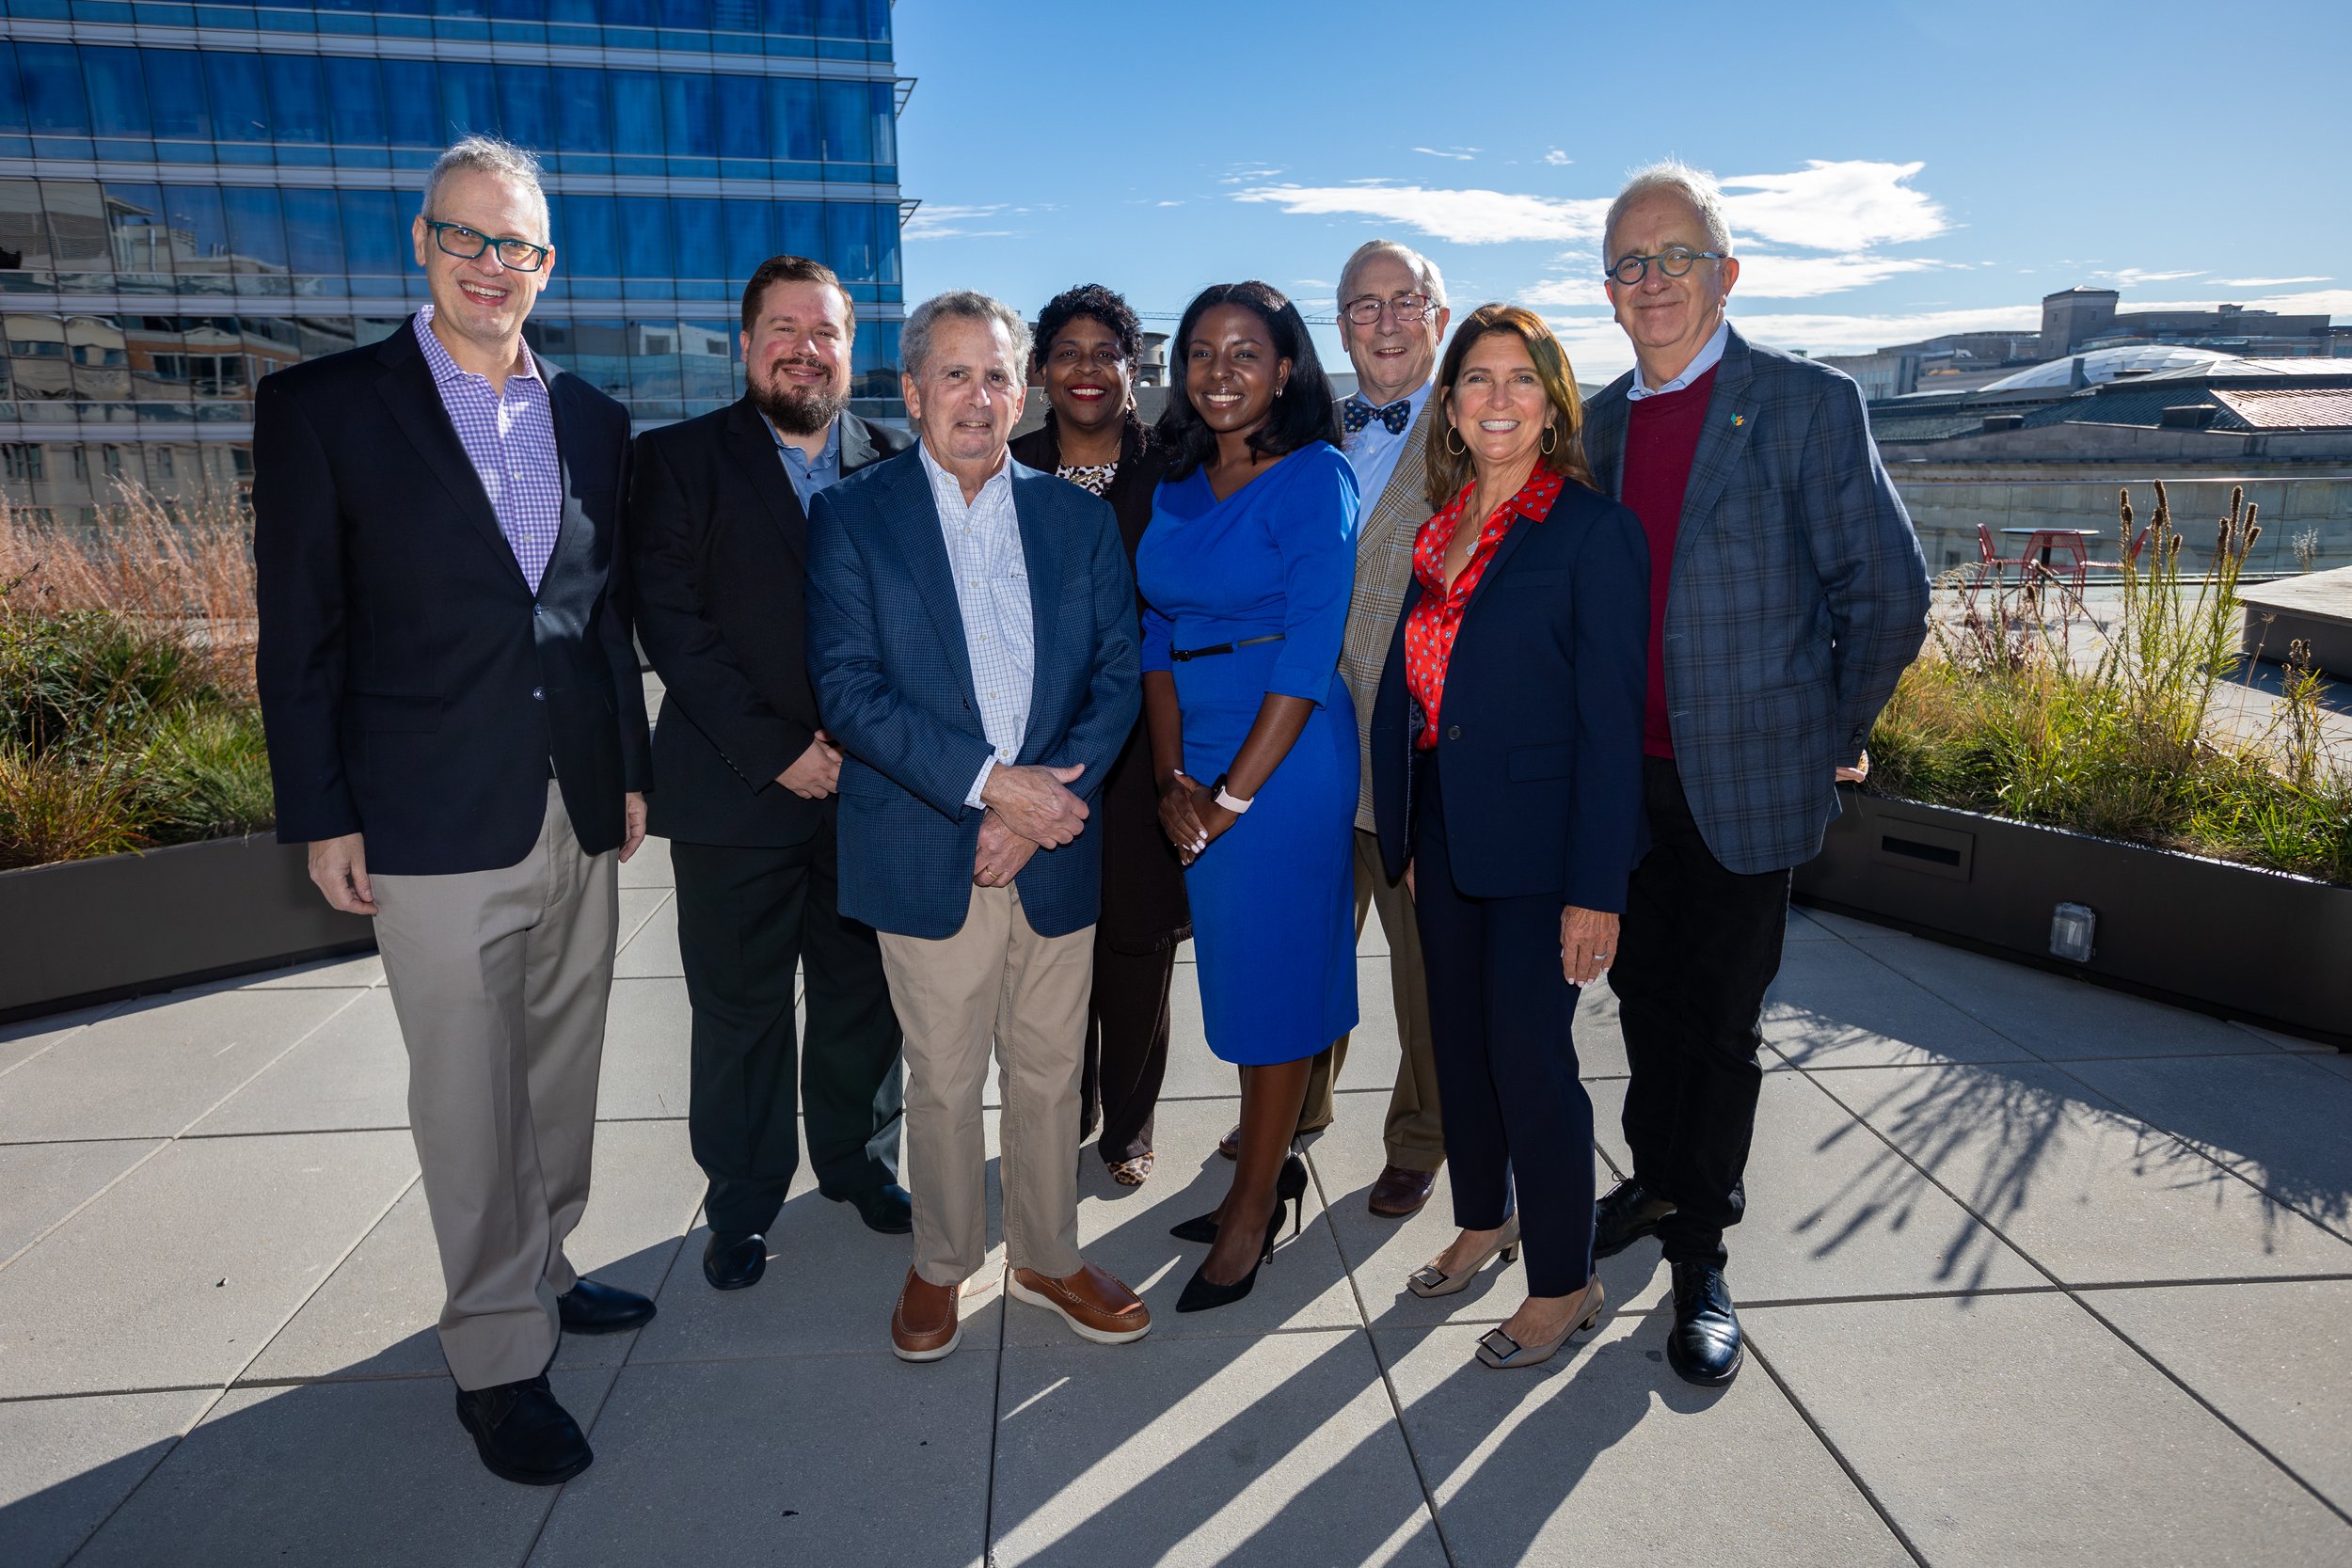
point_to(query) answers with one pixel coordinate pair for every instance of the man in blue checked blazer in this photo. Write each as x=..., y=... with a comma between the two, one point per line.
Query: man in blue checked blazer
x=972, y=638
x=1787, y=594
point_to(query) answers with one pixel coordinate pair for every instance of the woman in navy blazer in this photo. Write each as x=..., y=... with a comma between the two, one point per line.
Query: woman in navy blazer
x=1506, y=756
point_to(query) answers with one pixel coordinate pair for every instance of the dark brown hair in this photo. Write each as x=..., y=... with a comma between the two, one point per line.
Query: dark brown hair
x=791, y=269
x=1448, y=469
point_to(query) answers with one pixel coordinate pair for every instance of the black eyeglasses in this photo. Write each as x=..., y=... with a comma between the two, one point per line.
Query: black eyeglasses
x=465, y=243
x=1675, y=261
x=1408, y=308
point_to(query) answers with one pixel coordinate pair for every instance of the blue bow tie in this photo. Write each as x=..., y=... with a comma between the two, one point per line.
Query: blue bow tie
x=1355, y=413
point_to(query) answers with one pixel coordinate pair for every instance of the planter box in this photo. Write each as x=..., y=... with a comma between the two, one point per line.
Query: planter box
x=2259, y=945
x=120, y=926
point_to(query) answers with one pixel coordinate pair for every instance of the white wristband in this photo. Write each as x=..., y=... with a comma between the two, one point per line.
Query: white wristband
x=1232, y=802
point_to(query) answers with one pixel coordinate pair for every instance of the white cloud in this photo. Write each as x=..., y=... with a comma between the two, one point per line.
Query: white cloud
x=1558, y=159
x=949, y=221
x=2266, y=282
x=1242, y=174
x=1847, y=205
x=2315, y=302
x=1773, y=275
x=1464, y=216
x=2132, y=277
x=1459, y=155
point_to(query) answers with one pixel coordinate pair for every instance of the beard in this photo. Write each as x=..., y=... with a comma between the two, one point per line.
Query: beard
x=797, y=413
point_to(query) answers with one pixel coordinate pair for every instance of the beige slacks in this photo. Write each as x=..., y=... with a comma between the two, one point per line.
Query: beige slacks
x=994, y=981
x=1414, y=1134
x=500, y=980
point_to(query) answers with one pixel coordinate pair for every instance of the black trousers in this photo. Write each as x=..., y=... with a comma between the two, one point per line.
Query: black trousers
x=1699, y=947
x=1500, y=1020
x=1126, y=1049
x=746, y=918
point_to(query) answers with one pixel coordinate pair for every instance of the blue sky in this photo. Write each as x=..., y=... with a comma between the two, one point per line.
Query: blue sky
x=1898, y=169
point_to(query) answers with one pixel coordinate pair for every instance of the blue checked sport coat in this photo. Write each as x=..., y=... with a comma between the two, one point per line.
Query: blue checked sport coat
x=1797, y=596
x=894, y=688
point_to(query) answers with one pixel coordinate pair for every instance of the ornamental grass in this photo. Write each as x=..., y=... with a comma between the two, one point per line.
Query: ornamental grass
x=2125, y=743
x=127, y=711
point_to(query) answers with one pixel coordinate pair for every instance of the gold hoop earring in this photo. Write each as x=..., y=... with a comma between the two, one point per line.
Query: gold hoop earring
x=1454, y=447
x=1552, y=438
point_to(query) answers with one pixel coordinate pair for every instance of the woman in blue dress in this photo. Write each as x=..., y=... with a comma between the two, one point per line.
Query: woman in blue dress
x=1247, y=569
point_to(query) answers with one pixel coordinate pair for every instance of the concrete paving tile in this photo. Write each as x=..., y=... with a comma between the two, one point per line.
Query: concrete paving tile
x=648, y=1036
x=22, y=1041
x=1833, y=1006
x=2285, y=1041
x=2339, y=1063
x=352, y=1072
x=1278, y=1450
x=2280, y=1120
x=41, y=1184
x=648, y=935
x=183, y=1269
x=842, y=1459
x=153, y=1066
x=828, y=1289
x=1803, y=926
x=345, y=1473
x=2015, y=1430
x=2057, y=1017
x=1844, y=926
x=375, y=1317
x=1125, y=1229
x=1566, y=1463
x=2275, y=1358
x=649, y=866
x=65, y=1464
x=2088, y=1191
x=366, y=969
x=1599, y=1038
x=1832, y=1210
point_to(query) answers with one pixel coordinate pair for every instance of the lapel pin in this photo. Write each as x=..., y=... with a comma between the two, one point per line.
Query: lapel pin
x=1738, y=419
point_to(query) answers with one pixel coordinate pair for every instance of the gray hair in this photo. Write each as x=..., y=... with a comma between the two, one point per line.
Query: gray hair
x=1695, y=185
x=915, y=339
x=488, y=156
x=1425, y=271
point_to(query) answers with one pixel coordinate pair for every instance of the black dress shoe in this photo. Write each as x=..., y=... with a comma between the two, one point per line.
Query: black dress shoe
x=731, y=1259
x=888, y=1208
x=1704, y=1346
x=589, y=1307
x=1628, y=1214
x=522, y=1434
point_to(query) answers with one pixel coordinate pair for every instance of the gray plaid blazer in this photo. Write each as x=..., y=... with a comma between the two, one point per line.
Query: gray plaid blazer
x=1384, y=569
x=1798, y=596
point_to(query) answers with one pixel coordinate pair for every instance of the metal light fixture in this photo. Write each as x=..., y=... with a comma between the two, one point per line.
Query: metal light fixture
x=2072, y=928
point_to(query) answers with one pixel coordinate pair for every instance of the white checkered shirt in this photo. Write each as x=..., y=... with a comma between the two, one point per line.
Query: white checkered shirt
x=511, y=442
x=992, y=595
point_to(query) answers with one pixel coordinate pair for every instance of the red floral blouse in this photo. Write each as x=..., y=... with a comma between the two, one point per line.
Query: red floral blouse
x=1437, y=620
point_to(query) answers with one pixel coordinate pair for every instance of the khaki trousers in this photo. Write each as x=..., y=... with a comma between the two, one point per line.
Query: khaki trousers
x=994, y=981
x=500, y=980
x=1414, y=1135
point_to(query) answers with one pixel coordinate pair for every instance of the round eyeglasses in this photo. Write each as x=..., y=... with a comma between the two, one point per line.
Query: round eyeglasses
x=455, y=239
x=1675, y=261
x=1408, y=308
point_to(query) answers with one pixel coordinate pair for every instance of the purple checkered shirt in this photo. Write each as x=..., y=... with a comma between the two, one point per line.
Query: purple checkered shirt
x=511, y=442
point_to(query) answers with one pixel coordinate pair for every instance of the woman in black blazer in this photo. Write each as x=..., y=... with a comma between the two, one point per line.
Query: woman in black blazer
x=1087, y=342
x=1506, y=756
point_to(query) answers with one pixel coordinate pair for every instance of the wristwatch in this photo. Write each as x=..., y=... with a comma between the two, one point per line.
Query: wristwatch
x=1234, y=803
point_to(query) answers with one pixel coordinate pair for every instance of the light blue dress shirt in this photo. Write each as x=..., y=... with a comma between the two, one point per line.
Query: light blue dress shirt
x=808, y=478
x=1704, y=361
x=1371, y=451
x=992, y=576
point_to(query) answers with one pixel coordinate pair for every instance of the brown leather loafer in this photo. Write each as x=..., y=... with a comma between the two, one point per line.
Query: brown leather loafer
x=1093, y=1303
x=926, y=1325
x=1400, y=1192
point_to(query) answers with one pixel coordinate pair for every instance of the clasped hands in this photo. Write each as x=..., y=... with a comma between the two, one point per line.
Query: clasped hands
x=1029, y=808
x=1190, y=816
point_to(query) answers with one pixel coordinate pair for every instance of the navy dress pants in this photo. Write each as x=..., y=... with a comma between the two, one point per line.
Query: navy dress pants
x=1500, y=1012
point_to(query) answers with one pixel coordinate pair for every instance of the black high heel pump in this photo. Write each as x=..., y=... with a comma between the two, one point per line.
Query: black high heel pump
x=1289, y=1186
x=1290, y=1190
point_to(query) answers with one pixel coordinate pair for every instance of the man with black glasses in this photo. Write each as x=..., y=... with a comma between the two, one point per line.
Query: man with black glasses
x=457, y=730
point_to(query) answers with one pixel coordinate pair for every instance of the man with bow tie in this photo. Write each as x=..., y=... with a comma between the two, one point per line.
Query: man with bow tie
x=1393, y=316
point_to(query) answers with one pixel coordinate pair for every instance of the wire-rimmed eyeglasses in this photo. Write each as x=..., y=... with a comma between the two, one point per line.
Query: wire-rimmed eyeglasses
x=455, y=239
x=1408, y=309
x=1675, y=261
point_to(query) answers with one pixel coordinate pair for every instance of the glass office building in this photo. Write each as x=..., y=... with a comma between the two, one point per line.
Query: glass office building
x=194, y=194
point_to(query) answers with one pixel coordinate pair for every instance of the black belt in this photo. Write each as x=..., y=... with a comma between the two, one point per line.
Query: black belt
x=1181, y=654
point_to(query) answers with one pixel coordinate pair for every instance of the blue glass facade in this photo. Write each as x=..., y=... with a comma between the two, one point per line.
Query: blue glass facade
x=192, y=195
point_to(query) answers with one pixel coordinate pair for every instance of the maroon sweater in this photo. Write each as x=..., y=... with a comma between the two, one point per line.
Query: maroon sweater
x=1661, y=439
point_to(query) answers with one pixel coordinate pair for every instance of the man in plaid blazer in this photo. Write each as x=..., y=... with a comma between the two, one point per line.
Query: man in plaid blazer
x=1787, y=592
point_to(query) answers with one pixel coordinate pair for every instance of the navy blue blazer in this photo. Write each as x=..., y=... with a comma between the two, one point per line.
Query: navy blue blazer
x=1799, y=596
x=1542, y=721
x=413, y=686
x=894, y=681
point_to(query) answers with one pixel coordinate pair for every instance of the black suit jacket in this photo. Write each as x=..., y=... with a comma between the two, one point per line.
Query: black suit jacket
x=413, y=686
x=721, y=548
